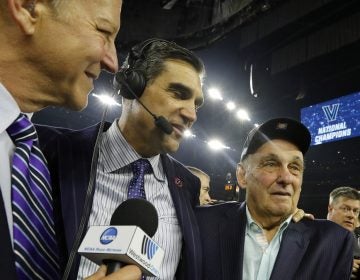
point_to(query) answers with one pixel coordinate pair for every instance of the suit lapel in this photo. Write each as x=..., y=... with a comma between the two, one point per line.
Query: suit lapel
x=232, y=236
x=74, y=169
x=75, y=152
x=186, y=218
x=293, y=246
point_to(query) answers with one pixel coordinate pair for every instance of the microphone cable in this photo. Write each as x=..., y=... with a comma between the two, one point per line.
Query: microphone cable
x=88, y=199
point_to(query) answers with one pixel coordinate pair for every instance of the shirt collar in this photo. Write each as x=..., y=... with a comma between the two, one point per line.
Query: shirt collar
x=117, y=153
x=253, y=226
x=9, y=109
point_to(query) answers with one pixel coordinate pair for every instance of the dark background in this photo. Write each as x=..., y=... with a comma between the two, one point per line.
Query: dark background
x=302, y=52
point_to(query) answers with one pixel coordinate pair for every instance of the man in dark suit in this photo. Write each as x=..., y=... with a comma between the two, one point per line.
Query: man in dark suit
x=166, y=78
x=344, y=209
x=257, y=239
x=37, y=71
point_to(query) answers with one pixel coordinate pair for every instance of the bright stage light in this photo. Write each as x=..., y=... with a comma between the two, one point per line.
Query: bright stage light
x=216, y=145
x=230, y=105
x=106, y=99
x=214, y=93
x=242, y=115
x=188, y=133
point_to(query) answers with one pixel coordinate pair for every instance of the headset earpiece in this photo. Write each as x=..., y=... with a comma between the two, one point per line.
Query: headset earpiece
x=135, y=78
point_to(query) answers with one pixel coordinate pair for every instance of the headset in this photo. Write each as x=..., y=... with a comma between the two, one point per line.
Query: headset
x=131, y=82
x=135, y=78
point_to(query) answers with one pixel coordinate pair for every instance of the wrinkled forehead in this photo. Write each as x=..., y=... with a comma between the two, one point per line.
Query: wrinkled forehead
x=342, y=200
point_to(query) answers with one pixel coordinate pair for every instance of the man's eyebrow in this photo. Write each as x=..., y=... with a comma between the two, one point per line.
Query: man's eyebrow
x=108, y=24
x=268, y=157
x=300, y=161
x=297, y=158
x=185, y=90
x=180, y=87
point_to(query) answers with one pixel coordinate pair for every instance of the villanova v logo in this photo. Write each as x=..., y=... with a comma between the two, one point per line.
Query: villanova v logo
x=331, y=111
x=148, y=247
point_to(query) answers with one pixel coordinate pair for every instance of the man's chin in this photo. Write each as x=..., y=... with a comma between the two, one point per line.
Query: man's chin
x=282, y=210
x=171, y=146
x=72, y=104
x=348, y=227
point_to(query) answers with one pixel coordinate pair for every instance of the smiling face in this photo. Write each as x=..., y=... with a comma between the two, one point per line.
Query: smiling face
x=272, y=177
x=71, y=46
x=175, y=94
x=344, y=211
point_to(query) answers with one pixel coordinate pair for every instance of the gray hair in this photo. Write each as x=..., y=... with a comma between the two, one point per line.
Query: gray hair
x=345, y=191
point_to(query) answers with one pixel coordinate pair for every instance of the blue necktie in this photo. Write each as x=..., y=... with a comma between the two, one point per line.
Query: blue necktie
x=136, y=187
x=35, y=247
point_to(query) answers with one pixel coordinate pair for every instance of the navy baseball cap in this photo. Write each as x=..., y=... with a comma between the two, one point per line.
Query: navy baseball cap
x=280, y=128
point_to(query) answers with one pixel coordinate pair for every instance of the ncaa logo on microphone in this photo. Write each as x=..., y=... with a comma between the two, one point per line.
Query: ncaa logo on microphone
x=148, y=247
x=108, y=235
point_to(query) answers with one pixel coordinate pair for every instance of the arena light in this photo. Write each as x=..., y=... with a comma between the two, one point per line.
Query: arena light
x=230, y=105
x=106, y=99
x=216, y=145
x=242, y=115
x=214, y=93
x=188, y=133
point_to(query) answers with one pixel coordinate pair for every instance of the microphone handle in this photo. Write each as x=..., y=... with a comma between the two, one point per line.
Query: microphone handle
x=112, y=266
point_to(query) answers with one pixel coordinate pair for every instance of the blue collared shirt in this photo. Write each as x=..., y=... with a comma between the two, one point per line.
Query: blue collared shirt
x=259, y=255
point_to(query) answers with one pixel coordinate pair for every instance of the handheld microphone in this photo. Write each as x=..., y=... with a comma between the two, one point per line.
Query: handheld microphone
x=127, y=240
x=160, y=121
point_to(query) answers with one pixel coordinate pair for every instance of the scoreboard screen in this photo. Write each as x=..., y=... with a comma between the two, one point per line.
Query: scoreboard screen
x=333, y=120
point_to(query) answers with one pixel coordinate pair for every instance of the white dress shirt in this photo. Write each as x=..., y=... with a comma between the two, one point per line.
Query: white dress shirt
x=113, y=178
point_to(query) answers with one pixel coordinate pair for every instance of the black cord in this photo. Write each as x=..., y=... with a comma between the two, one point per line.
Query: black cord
x=88, y=199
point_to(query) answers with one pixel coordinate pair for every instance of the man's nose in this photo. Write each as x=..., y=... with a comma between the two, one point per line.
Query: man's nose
x=110, y=59
x=189, y=114
x=285, y=175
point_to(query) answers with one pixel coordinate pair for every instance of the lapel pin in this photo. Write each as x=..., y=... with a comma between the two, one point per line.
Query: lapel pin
x=178, y=182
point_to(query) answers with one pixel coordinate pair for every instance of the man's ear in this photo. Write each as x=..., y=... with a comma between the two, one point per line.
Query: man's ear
x=240, y=175
x=329, y=214
x=24, y=13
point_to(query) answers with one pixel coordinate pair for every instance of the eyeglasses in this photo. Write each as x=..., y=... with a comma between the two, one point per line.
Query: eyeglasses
x=347, y=209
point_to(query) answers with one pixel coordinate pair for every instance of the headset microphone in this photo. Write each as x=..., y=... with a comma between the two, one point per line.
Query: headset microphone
x=160, y=121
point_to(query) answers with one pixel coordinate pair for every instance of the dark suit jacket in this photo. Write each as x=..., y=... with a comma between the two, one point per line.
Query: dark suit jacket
x=313, y=250
x=7, y=260
x=69, y=155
